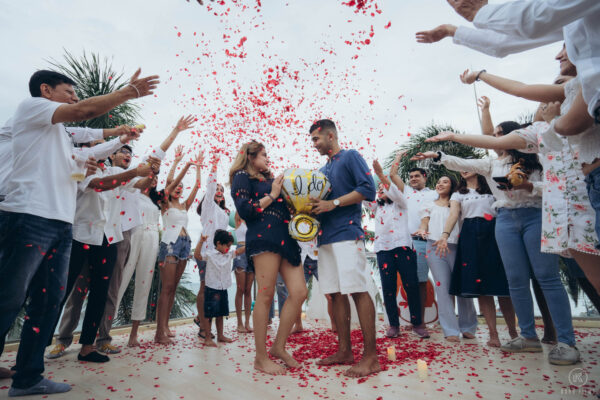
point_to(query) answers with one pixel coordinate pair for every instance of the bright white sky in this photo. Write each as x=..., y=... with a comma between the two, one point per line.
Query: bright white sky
x=409, y=84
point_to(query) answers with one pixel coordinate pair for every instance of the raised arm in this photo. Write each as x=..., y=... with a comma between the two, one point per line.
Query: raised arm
x=379, y=172
x=113, y=181
x=487, y=126
x=541, y=93
x=198, y=163
x=506, y=142
x=171, y=186
x=98, y=105
x=176, y=161
x=394, y=171
x=183, y=124
x=481, y=166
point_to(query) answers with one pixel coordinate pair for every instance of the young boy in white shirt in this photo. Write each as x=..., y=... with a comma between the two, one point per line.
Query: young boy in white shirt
x=218, y=279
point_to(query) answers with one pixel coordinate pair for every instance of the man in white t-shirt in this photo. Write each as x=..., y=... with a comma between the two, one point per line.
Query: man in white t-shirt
x=416, y=195
x=37, y=214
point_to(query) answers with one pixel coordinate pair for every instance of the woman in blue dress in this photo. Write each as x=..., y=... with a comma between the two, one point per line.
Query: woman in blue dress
x=270, y=250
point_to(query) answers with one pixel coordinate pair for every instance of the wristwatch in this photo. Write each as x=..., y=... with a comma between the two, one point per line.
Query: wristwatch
x=336, y=202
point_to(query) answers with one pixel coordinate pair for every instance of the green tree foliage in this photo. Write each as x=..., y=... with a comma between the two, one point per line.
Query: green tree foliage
x=96, y=76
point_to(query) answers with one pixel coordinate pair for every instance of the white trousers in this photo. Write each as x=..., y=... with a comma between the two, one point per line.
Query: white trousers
x=441, y=269
x=142, y=260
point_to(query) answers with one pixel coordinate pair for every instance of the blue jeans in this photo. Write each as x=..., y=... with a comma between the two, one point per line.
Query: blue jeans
x=518, y=233
x=282, y=295
x=420, y=247
x=593, y=188
x=34, y=262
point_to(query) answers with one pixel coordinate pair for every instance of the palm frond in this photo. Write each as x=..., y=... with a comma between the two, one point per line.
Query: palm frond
x=95, y=76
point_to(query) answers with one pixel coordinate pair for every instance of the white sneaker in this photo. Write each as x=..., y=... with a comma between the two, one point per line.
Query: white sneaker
x=522, y=345
x=563, y=354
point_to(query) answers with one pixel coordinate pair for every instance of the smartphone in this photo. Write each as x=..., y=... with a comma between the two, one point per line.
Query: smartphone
x=503, y=181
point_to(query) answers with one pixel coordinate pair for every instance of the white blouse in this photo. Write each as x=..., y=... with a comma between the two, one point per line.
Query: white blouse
x=150, y=213
x=391, y=221
x=475, y=205
x=174, y=219
x=213, y=217
x=494, y=167
x=437, y=219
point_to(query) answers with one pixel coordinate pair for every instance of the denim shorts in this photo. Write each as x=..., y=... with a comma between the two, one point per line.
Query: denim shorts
x=201, y=269
x=593, y=187
x=180, y=249
x=241, y=262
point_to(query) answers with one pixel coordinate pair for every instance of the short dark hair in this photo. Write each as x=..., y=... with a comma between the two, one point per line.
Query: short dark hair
x=223, y=237
x=323, y=124
x=51, y=78
x=420, y=170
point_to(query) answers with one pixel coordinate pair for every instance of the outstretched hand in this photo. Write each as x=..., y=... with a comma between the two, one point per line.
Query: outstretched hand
x=436, y=34
x=441, y=247
x=141, y=87
x=444, y=136
x=377, y=168
x=484, y=103
x=179, y=153
x=422, y=156
x=468, y=77
x=184, y=123
x=467, y=8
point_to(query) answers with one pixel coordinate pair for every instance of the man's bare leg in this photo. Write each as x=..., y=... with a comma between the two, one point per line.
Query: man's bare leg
x=341, y=313
x=369, y=364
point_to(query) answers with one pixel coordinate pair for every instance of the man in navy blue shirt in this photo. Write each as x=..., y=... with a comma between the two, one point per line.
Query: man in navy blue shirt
x=342, y=255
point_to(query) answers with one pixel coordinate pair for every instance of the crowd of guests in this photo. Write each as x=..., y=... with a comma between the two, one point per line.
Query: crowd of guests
x=77, y=219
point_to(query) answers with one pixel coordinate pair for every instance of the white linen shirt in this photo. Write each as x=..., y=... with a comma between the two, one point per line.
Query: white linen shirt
x=218, y=268
x=391, y=221
x=39, y=182
x=213, y=217
x=415, y=200
x=494, y=167
x=536, y=19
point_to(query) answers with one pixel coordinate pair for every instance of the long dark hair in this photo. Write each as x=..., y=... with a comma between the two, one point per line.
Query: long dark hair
x=157, y=196
x=221, y=204
x=482, y=186
x=453, y=183
x=531, y=162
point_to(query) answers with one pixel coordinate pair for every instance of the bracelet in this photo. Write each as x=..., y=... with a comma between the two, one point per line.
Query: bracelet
x=136, y=89
x=479, y=74
x=446, y=233
x=271, y=197
x=439, y=157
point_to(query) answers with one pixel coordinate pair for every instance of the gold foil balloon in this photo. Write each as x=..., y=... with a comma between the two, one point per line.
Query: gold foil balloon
x=299, y=185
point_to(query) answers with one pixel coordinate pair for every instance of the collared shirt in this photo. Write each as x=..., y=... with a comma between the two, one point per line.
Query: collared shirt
x=415, y=200
x=98, y=213
x=391, y=221
x=347, y=171
x=218, y=268
x=213, y=217
x=536, y=19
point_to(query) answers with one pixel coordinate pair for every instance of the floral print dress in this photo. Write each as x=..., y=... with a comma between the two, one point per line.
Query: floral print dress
x=567, y=215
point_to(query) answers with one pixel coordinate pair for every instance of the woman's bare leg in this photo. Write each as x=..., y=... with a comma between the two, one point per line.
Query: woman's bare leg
x=167, y=278
x=488, y=309
x=179, y=270
x=267, y=267
x=133, y=340
x=508, y=312
x=240, y=280
x=297, y=292
x=590, y=265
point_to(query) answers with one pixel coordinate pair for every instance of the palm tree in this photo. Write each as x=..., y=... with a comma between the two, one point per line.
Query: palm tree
x=417, y=144
x=95, y=76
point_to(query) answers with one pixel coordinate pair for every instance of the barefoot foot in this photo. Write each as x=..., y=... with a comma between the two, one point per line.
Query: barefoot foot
x=241, y=329
x=133, y=342
x=338, y=358
x=249, y=329
x=468, y=335
x=284, y=356
x=297, y=329
x=208, y=342
x=366, y=366
x=494, y=340
x=6, y=373
x=162, y=339
x=452, y=339
x=224, y=339
x=268, y=366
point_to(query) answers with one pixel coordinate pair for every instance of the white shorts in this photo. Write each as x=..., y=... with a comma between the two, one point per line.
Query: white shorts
x=343, y=267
